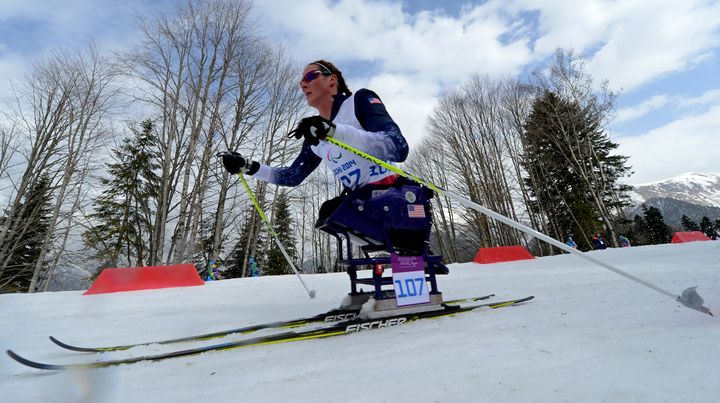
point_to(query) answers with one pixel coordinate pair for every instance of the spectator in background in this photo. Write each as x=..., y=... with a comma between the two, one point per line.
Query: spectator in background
x=571, y=243
x=252, y=264
x=598, y=241
x=624, y=242
x=212, y=273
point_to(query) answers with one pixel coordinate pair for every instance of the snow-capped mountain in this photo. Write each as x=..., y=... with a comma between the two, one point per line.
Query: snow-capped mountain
x=694, y=195
x=695, y=188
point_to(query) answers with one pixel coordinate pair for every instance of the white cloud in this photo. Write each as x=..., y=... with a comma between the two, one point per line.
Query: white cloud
x=419, y=55
x=648, y=40
x=634, y=112
x=629, y=42
x=72, y=23
x=685, y=145
x=406, y=98
x=578, y=25
x=439, y=47
x=708, y=97
x=11, y=67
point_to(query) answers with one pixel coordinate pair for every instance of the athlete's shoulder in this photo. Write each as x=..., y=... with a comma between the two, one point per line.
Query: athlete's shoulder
x=364, y=96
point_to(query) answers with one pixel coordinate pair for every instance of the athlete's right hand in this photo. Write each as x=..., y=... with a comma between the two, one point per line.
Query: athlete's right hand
x=314, y=129
x=236, y=164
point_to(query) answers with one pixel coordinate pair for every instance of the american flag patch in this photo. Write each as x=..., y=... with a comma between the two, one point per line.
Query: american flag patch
x=416, y=211
x=374, y=100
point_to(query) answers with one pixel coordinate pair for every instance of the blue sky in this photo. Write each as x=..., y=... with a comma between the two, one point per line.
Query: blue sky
x=662, y=54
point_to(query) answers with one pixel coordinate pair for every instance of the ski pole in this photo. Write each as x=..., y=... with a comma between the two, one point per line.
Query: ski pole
x=260, y=211
x=689, y=298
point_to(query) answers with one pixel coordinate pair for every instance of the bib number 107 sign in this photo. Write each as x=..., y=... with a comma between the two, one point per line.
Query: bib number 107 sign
x=409, y=280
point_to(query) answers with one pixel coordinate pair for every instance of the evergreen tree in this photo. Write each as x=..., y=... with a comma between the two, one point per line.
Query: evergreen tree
x=238, y=257
x=282, y=224
x=638, y=231
x=656, y=231
x=707, y=227
x=233, y=267
x=562, y=144
x=123, y=214
x=204, y=249
x=27, y=246
x=688, y=224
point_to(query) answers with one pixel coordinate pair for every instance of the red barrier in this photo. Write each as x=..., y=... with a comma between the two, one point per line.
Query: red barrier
x=145, y=278
x=502, y=254
x=689, y=236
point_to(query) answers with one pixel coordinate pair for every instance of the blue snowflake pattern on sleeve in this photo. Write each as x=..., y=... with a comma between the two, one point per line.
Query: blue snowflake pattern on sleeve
x=293, y=175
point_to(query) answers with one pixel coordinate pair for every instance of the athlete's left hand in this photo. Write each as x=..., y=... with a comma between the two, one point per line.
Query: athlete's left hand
x=314, y=129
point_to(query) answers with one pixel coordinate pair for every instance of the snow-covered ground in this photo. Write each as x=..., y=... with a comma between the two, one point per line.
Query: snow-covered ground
x=589, y=336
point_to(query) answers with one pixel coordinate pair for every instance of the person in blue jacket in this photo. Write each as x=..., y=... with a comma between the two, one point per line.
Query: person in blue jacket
x=598, y=241
x=254, y=272
x=359, y=120
x=624, y=241
x=212, y=273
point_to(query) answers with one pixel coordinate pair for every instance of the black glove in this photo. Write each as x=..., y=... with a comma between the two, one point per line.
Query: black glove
x=314, y=129
x=235, y=163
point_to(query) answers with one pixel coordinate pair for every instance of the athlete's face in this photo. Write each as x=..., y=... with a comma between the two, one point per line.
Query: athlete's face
x=318, y=88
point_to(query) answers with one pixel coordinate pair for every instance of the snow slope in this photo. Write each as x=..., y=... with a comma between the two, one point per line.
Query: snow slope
x=589, y=336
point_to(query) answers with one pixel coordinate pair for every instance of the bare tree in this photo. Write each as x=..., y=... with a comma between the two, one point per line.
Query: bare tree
x=61, y=106
x=187, y=70
x=69, y=219
x=282, y=105
x=476, y=126
x=219, y=33
x=317, y=247
x=8, y=147
x=214, y=84
x=429, y=161
x=240, y=120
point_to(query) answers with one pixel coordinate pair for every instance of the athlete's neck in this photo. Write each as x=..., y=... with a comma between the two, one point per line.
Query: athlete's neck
x=325, y=107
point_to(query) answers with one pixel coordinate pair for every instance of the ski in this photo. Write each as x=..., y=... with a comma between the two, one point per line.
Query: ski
x=337, y=329
x=329, y=316
x=333, y=315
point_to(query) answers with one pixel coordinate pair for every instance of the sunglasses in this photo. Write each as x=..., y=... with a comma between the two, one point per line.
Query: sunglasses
x=311, y=75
